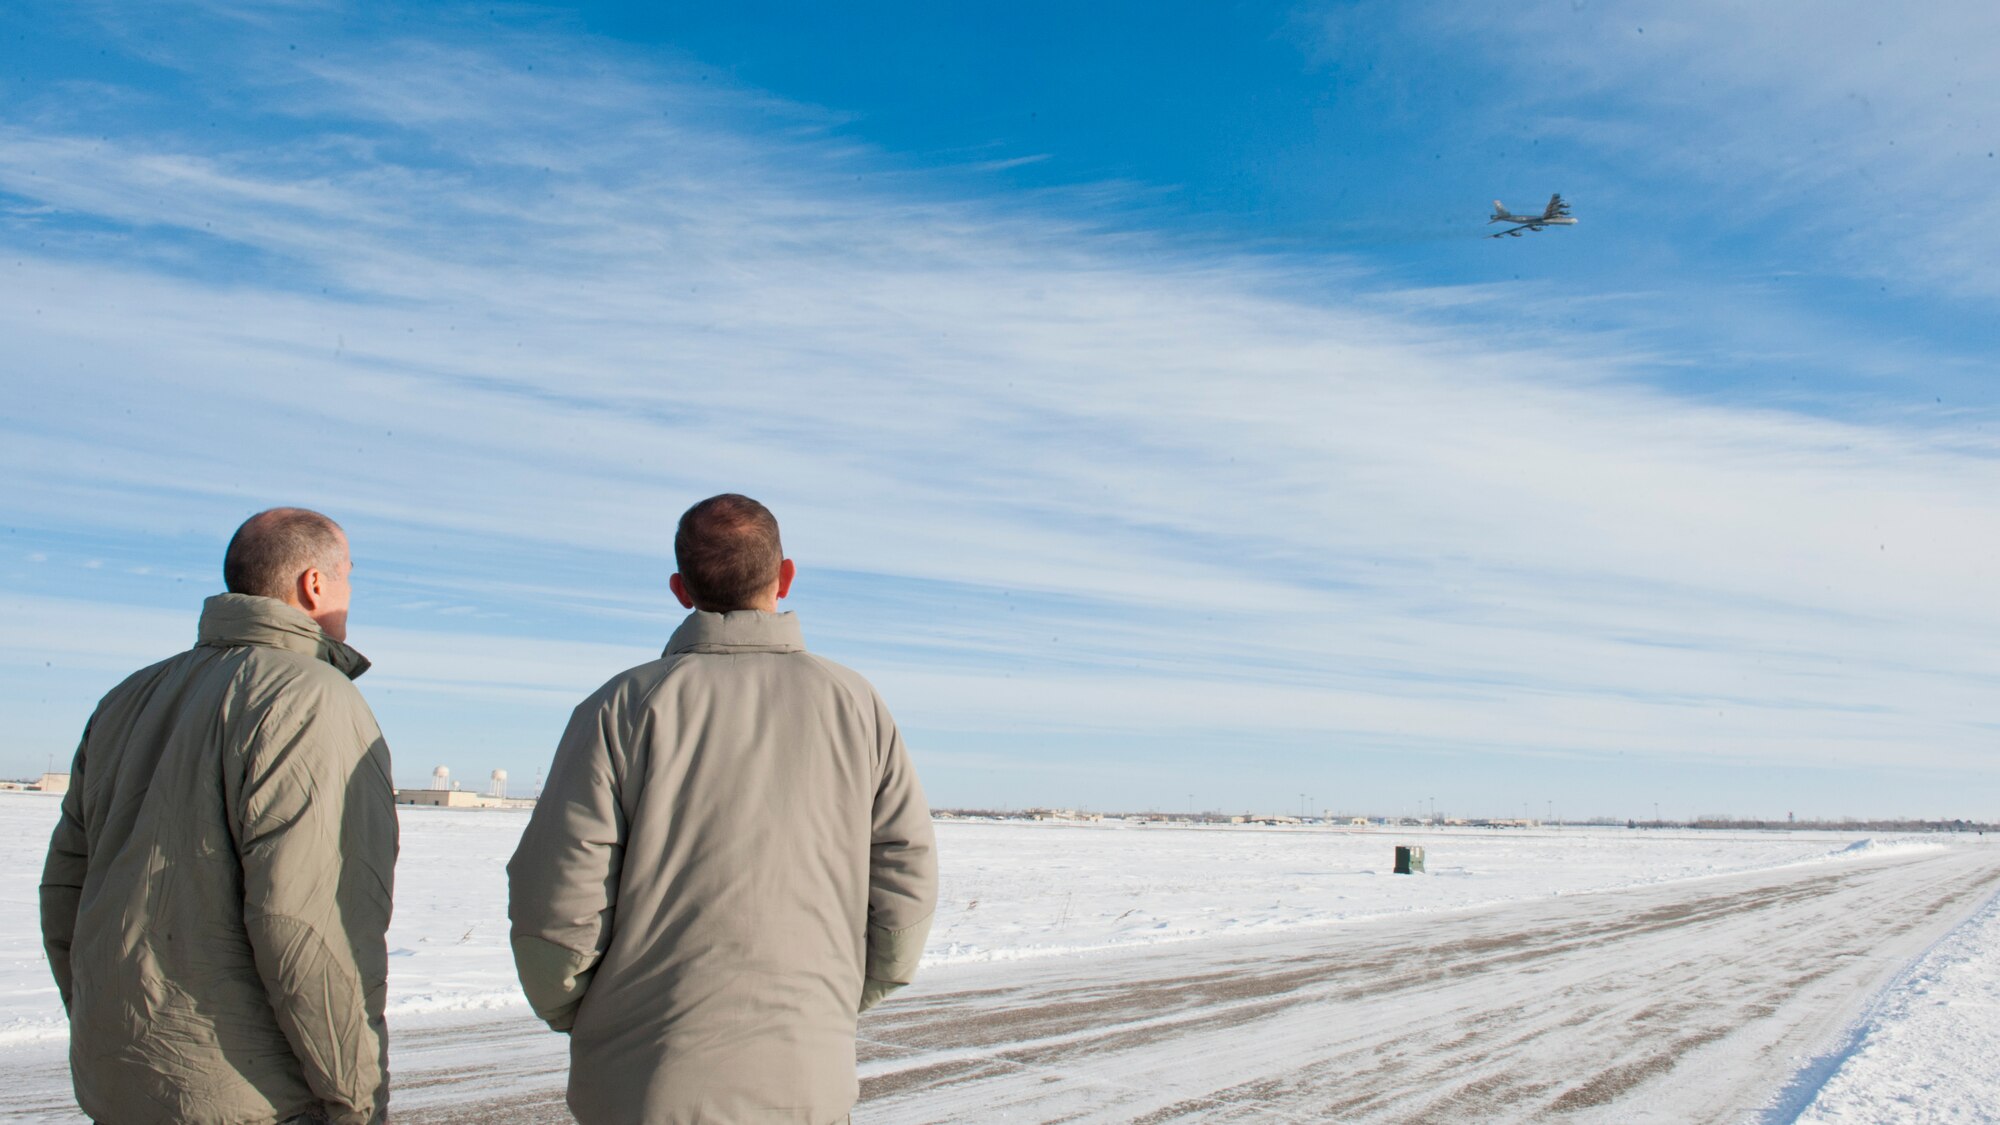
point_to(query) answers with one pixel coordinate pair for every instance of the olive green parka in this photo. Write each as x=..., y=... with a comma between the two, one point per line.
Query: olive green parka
x=218, y=888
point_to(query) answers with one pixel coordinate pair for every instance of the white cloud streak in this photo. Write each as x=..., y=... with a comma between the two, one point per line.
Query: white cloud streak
x=591, y=303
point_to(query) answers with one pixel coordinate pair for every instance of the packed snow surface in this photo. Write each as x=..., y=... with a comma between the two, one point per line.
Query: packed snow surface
x=1015, y=891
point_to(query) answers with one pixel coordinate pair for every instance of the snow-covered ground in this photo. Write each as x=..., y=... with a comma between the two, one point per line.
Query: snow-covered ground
x=1928, y=1049
x=1046, y=892
x=1018, y=890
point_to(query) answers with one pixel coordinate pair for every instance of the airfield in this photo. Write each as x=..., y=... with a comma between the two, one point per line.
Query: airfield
x=1114, y=972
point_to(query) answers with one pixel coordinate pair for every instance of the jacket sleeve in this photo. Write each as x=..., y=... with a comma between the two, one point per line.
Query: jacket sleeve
x=317, y=840
x=902, y=874
x=562, y=884
x=62, y=878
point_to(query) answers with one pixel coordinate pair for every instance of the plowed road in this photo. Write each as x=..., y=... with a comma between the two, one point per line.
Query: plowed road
x=1682, y=1002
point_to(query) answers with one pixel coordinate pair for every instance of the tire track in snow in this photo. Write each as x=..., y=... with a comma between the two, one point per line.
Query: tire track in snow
x=1680, y=1002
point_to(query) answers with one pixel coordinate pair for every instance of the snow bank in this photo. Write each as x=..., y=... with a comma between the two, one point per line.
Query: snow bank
x=1874, y=846
x=1927, y=1051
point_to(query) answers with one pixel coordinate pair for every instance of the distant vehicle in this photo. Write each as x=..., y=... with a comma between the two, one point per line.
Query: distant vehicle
x=1557, y=215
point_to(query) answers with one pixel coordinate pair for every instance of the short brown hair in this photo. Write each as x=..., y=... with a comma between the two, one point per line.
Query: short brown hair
x=728, y=551
x=272, y=548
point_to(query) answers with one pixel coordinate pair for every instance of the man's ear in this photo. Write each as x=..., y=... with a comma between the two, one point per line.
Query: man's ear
x=786, y=572
x=309, y=589
x=680, y=591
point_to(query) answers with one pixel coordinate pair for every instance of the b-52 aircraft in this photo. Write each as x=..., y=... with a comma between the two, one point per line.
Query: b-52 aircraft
x=1557, y=215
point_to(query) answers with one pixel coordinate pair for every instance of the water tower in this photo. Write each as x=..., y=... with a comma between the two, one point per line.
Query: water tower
x=441, y=777
x=499, y=783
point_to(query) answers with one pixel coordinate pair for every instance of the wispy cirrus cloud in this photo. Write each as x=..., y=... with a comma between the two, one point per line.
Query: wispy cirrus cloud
x=1053, y=478
x=1862, y=129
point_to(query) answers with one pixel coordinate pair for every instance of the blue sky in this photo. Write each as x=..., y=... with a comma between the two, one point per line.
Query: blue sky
x=1144, y=408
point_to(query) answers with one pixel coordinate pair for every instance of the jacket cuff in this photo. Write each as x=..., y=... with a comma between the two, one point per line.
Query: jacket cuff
x=554, y=978
x=892, y=959
x=873, y=992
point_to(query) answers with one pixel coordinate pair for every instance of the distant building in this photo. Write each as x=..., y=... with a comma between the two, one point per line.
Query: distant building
x=1071, y=815
x=460, y=799
x=444, y=793
x=47, y=783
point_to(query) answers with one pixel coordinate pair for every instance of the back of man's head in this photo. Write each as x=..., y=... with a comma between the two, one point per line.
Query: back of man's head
x=728, y=552
x=272, y=548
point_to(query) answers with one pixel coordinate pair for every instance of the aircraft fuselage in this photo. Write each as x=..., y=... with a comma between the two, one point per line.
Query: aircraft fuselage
x=1556, y=214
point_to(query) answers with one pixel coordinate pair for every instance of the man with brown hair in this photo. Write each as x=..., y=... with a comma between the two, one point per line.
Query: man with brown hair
x=217, y=891
x=732, y=858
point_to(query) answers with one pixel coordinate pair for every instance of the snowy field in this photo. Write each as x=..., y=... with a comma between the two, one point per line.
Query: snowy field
x=1037, y=901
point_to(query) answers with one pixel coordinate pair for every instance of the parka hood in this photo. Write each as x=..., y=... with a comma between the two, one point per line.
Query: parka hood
x=228, y=620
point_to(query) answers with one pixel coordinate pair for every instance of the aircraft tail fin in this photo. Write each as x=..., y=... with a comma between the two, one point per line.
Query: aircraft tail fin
x=1499, y=211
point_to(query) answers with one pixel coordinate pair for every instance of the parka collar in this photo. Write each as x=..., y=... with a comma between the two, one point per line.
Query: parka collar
x=228, y=620
x=739, y=630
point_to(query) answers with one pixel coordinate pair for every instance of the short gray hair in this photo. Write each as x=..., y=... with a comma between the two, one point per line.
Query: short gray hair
x=272, y=548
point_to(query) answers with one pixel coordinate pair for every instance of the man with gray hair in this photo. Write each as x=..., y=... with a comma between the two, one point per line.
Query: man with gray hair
x=731, y=860
x=216, y=896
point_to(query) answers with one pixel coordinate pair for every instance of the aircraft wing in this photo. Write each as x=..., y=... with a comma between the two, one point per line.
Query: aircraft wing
x=1556, y=208
x=1515, y=231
